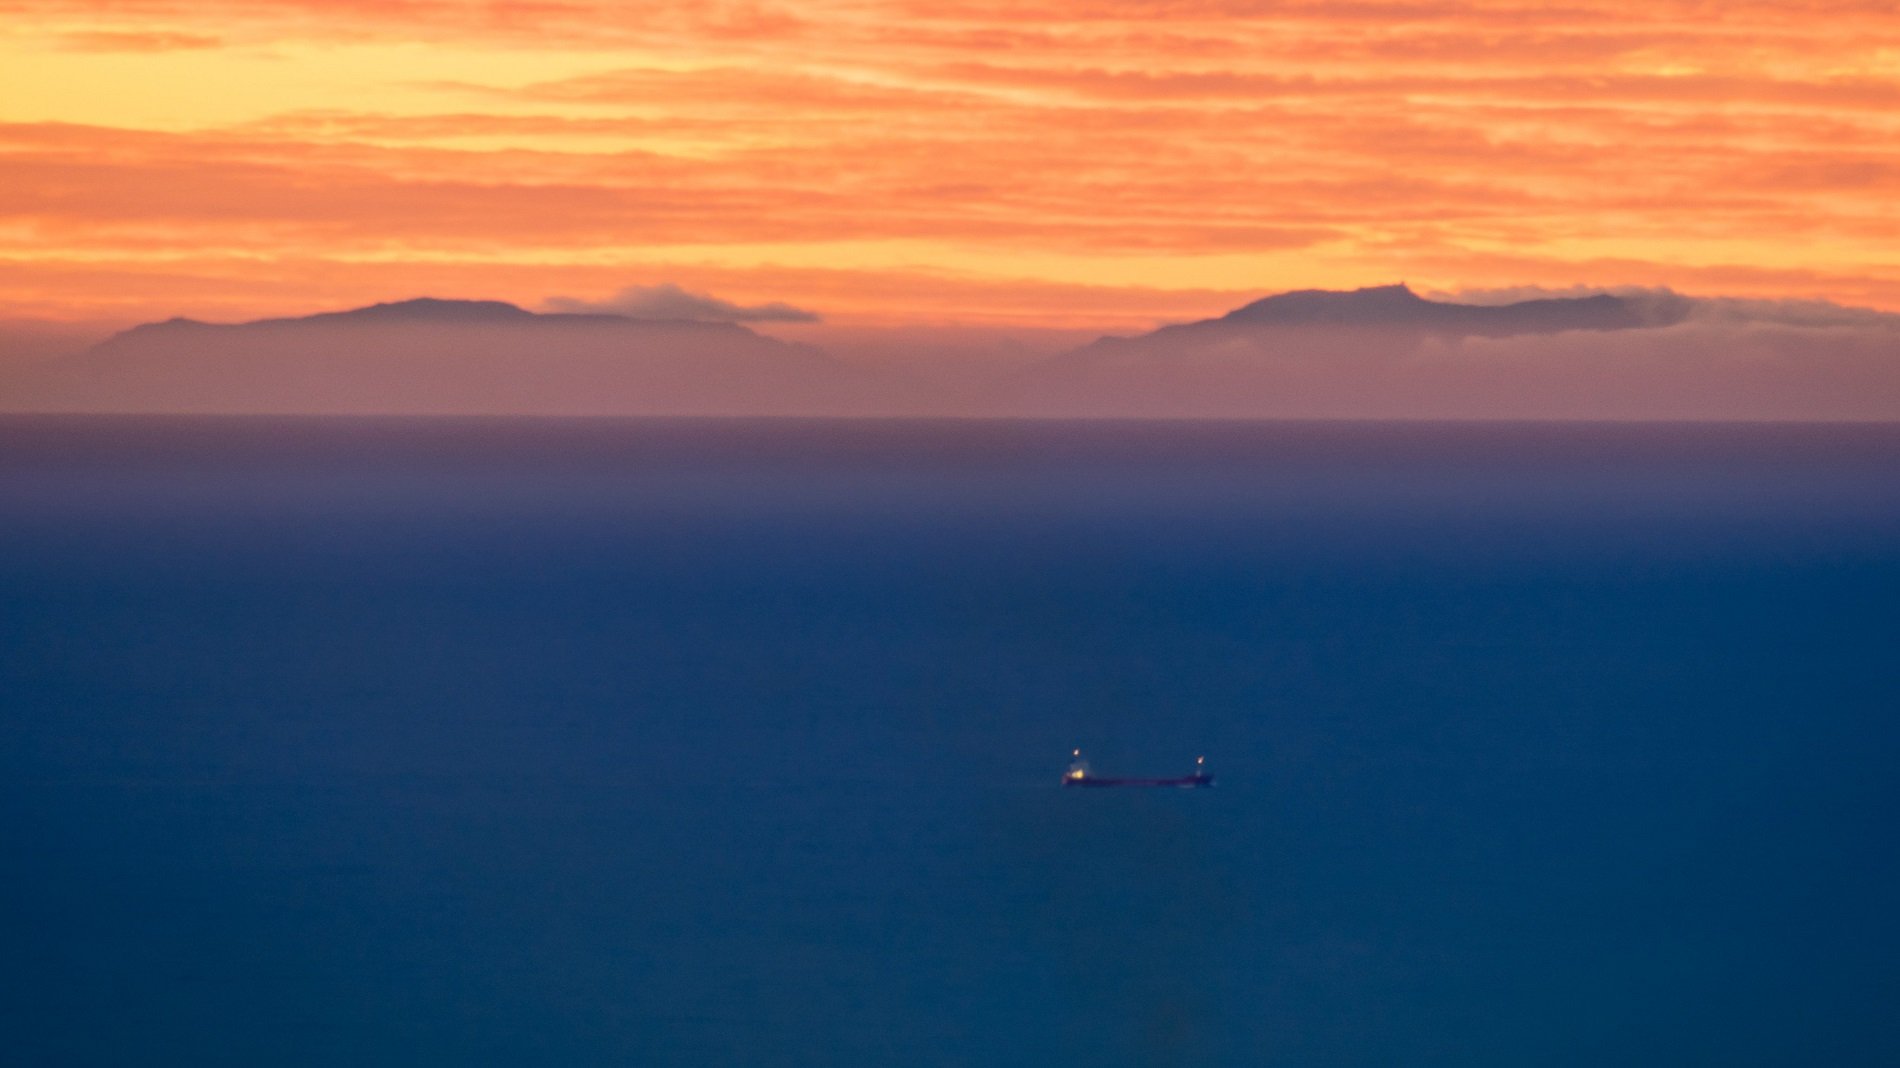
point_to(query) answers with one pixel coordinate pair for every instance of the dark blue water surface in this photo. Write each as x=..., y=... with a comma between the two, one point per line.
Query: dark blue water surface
x=360, y=742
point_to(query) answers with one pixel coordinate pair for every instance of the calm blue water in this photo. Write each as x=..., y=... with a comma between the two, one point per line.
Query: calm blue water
x=698, y=743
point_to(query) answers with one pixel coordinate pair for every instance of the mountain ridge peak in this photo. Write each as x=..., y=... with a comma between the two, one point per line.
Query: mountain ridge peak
x=1397, y=307
x=425, y=309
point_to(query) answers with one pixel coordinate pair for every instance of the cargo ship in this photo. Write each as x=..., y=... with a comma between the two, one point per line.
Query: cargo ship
x=1080, y=775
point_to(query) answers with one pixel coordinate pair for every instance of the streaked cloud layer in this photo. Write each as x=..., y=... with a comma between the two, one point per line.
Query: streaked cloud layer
x=1100, y=164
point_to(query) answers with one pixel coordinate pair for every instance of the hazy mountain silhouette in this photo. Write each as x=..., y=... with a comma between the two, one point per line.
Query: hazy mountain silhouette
x=1386, y=352
x=1376, y=353
x=422, y=310
x=452, y=356
x=1396, y=309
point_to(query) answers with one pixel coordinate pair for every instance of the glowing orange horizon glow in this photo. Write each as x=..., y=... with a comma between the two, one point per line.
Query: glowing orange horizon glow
x=1103, y=164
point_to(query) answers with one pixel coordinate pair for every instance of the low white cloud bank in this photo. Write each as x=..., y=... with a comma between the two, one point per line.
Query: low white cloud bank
x=668, y=301
x=1514, y=294
x=1725, y=310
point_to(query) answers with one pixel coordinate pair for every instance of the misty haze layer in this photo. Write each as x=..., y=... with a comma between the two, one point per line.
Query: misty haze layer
x=1376, y=353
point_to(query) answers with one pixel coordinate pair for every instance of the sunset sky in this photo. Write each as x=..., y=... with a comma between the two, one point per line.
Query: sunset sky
x=1085, y=165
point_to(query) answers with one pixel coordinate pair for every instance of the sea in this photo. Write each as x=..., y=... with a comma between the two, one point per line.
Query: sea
x=385, y=741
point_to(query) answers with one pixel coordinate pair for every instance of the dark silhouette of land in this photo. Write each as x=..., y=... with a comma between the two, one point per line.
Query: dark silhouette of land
x=453, y=356
x=1377, y=353
x=1398, y=308
x=1385, y=352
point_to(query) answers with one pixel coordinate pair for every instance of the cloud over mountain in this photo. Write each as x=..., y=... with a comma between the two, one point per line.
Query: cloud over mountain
x=668, y=301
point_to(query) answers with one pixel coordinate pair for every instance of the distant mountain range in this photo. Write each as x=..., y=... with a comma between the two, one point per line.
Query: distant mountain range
x=427, y=312
x=452, y=356
x=1380, y=352
x=1398, y=308
x=1395, y=311
x=1314, y=351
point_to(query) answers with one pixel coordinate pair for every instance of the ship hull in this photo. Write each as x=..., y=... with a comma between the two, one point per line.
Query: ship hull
x=1185, y=782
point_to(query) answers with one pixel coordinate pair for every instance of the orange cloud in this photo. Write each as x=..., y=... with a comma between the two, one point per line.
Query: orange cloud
x=1137, y=148
x=105, y=41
